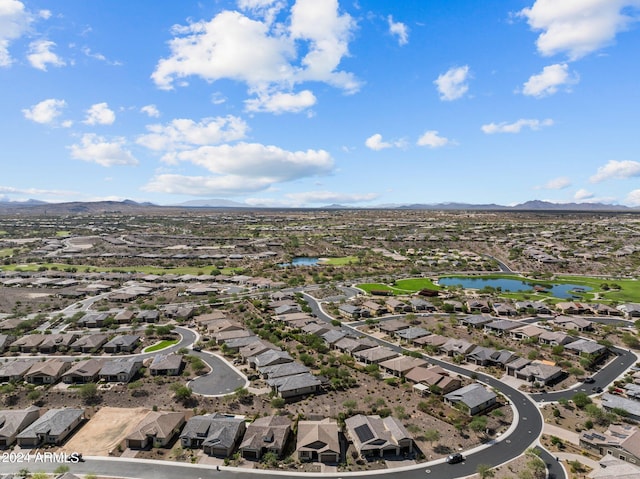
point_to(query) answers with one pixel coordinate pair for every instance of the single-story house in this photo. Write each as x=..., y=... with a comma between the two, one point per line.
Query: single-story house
x=14, y=421
x=352, y=345
x=474, y=399
x=294, y=386
x=281, y=370
x=373, y=436
x=56, y=342
x=555, y=338
x=90, y=343
x=621, y=441
x=454, y=347
x=120, y=370
x=539, y=372
x=586, y=348
x=28, y=343
x=47, y=372
x=375, y=355
x=156, y=429
x=123, y=343
x=217, y=434
x=14, y=370
x=51, y=428
x=318, y=441
x=270, y=358
x=166, y=365
x=475, y=321
x=392, y=326
x=401, y=365
x=529, y=331
x=501, y=327
x=577, y=324
x=86, y=371
x=265, y=434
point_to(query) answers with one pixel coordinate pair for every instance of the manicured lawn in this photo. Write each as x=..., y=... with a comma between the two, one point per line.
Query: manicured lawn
x=629, y=291
x=161, y=345
x=368, y=287
x=63, y=233
x=340, y=261
x=416, y=284
x=6, y=252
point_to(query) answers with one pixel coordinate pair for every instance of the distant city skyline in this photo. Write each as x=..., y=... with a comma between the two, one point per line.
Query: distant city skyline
x=317, y=102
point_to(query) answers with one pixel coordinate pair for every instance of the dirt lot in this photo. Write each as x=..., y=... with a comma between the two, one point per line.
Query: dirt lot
x=105, y=430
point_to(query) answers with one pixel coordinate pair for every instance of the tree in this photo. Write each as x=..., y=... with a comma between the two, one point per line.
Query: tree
x=278, y=402
x=181, y=392
x=89, y=393
x=478, y=423
x=485, y=470
x=431, y=435
x=581, y=400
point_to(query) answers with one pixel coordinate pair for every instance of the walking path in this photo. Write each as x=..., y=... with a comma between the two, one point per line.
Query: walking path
x=565, y=435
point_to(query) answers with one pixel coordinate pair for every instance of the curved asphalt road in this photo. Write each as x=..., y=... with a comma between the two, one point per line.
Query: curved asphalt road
x=525, y=434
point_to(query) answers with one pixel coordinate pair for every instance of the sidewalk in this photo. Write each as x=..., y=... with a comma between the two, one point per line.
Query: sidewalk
x=565, y=456
x=551, y=430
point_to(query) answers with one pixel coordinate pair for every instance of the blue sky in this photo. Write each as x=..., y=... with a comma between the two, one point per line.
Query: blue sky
x=314, y=102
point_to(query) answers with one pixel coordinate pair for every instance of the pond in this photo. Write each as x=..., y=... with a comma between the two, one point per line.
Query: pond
x=301, y=261
x=558, y=290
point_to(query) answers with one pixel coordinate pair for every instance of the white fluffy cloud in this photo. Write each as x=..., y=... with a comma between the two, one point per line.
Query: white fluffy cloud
x=264, y=56
x=282, y=102
x=328, y=197
x=549, y=81
x=453, y=83
x=374, y=142
x=45, y=112
x=616, y=170
x=31, y=191
x=432, y=139
x=578, y=27
x=41, y=54
x=633, y=198
x=559, y=183
x=265, y=9
x=181, y=134
x=583, y=194
x=151, y=110
x=516, y=126
x=399, y=30
x=14, y=22
x=100, y=114
x=241, y=168
x=97, y=149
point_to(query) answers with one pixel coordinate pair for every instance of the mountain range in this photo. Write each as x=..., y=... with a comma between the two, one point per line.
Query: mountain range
x=128, y=206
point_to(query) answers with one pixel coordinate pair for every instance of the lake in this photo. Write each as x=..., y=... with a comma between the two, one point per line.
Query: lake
x=558, y=290
x=301, y=261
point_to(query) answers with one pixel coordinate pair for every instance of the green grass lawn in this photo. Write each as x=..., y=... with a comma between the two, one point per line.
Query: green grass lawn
x=6, y=252
x=629, y=291
x=63, y=233
x=340, y=261
x=416, y=284
x=161, y=345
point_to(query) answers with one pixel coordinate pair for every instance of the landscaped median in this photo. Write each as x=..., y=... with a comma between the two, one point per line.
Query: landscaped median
x=159, y=346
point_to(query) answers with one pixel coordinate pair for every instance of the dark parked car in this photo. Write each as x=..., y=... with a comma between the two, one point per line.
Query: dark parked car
x=455, y=458
x=597, y=390
x=589, y=380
